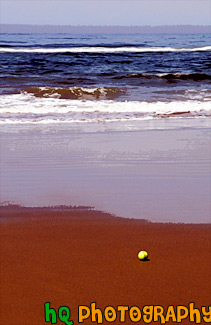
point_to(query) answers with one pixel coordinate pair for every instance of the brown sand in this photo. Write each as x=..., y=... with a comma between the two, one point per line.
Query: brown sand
x=77, y=257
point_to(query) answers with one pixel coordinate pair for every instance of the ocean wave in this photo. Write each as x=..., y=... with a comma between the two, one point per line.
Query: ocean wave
x=26, y=108
x=186, y=76
x=99, y=49
x=75, y=92
x=167, y=76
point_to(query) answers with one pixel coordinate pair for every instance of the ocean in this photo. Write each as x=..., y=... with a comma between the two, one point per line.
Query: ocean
x=83, y=79
x=117, y=122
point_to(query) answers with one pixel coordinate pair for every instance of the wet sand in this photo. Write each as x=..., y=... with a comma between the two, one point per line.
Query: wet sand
x=78, y=257
x=158, y=174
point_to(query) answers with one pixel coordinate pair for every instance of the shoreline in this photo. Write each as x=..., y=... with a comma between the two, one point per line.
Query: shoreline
x=31, y=211
x=78, y=257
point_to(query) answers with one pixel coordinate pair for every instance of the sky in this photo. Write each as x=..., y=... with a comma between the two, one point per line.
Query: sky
x=106, y=12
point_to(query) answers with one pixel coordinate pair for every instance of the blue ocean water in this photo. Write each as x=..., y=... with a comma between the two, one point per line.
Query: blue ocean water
x=54, y=78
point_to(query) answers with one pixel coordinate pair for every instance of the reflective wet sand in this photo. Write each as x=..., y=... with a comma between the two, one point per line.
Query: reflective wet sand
x=159, y=175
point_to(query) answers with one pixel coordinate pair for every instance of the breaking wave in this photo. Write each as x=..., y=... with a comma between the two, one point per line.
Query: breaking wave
x=26, y=108
x=101, y=49
x=75, y=92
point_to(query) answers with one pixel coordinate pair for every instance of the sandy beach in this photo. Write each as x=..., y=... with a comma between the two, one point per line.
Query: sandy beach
x=76, y=257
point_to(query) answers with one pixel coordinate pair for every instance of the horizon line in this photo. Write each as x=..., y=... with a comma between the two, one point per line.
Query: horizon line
x=79, y=25
x=105, y=29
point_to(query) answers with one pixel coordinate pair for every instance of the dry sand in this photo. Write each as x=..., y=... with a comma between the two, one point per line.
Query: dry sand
x=77, y=257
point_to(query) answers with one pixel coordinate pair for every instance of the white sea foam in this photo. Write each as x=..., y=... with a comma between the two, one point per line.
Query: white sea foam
x=99, y=49
x=25, y=108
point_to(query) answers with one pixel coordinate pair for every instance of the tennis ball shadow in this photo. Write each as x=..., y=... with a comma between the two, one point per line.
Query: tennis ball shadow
x=145, y=260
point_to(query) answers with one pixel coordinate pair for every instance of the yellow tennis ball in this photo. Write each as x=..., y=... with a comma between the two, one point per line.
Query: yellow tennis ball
x=142, y=255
